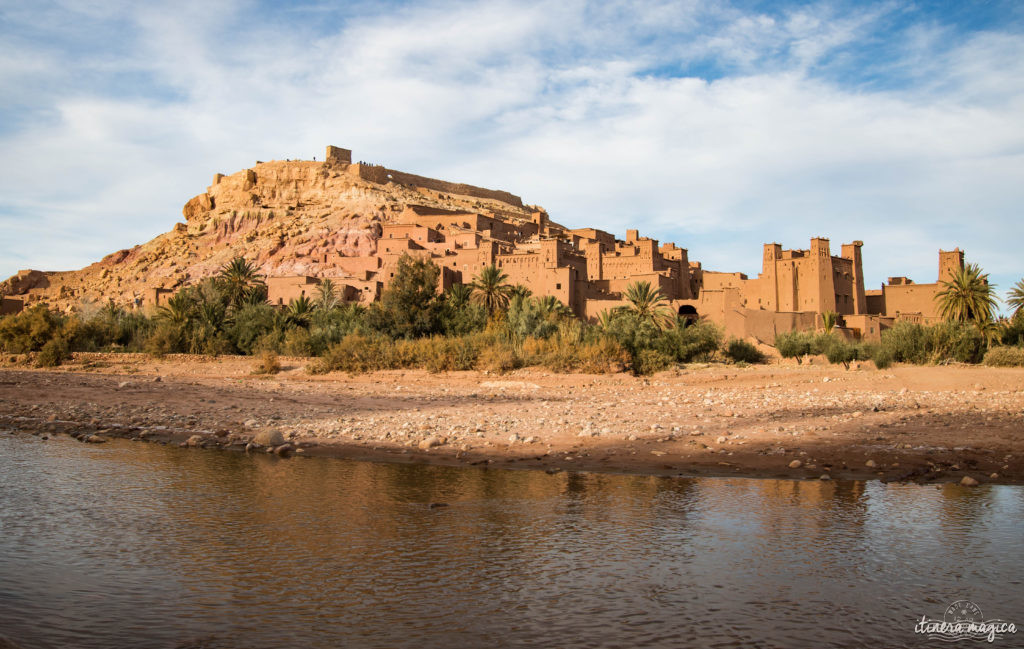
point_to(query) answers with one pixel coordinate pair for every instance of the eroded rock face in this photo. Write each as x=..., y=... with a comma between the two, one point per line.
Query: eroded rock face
x=290, y=217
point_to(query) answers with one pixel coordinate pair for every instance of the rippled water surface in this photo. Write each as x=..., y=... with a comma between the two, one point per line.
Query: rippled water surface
x=140, y=545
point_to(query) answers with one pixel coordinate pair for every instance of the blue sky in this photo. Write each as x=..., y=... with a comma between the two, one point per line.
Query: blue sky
x=716, y=125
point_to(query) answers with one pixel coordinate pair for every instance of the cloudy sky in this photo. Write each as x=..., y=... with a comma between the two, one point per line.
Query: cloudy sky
x=716, y=125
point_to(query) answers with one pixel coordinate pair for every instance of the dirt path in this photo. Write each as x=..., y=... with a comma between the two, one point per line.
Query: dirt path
x=905, y=423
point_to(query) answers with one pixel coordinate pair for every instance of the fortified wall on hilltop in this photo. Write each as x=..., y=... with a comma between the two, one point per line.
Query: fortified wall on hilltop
x=305, y=221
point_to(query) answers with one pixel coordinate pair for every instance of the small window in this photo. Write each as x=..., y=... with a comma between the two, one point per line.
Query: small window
x=558, y=287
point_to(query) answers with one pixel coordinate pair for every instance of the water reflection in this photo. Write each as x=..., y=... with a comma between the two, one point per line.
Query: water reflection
x=173, y=548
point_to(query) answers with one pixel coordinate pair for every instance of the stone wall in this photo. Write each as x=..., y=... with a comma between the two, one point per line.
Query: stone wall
x=383, y=175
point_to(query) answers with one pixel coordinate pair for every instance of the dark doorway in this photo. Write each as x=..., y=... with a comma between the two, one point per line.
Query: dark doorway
x=688, y=315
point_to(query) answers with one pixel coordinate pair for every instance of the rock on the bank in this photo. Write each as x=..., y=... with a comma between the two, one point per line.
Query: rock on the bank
x=268, y=438
x=430, y=443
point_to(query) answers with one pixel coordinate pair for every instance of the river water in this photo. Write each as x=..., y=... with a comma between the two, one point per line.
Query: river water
x=141, y=545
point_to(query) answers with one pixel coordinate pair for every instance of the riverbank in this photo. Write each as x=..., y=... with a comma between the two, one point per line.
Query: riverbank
x=929, y=424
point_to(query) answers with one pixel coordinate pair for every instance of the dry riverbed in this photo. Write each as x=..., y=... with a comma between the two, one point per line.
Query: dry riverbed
x=818, y=421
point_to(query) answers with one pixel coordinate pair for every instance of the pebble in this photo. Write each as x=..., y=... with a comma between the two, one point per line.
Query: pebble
x=722, y=439
x=870, y=464
x=795, y=464
x=824, y=476
x=968, y=481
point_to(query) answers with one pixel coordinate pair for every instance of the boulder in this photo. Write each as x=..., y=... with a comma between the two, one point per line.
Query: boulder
x=268, y=438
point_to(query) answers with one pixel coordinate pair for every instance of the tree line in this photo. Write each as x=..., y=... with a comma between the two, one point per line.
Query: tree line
x=488, y=324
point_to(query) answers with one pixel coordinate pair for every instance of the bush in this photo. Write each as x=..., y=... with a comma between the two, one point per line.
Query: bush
x=649, y=361
x=439, y=354
x=882, y=356
x=947, y=341
x=1013, y=330
x=268, y=363
x=957, y=341
x=601, y=357
x=166, y=338
x=696, y=342
x=252, y=324
x=840, y=352
x=907, y=343
x=499, y=358
x=29, y=330
x=1005, y=357
x=793, y=344
x=53, y=353
x=741, y=351
x=297, y=343
x=356, y=353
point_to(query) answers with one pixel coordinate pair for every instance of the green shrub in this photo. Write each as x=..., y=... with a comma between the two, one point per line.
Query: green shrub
x=54, y=352
x=1005, y=357
x=1013, y=330
x=696, y=342
x=907, y=342
x=649, y=361
x=742, y=351
x=251, y=325
x=793, y=344
x=882, y=356
x=957, y=341
x=839, y=352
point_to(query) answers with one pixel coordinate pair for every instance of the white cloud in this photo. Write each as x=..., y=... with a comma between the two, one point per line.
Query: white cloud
x=556, y=104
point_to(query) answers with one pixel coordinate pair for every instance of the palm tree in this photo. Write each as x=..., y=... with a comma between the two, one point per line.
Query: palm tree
x=178, y=309
x=648, y=304
x=967, y=297
x=604, y=319
x=491, y=289
x=299, y=311
x=327, y=295
x=459, y=295
x=1015, y=298
x=519, y=289
x=237, y=278
x=828, y=320
x=552, y=307
x=255, y=295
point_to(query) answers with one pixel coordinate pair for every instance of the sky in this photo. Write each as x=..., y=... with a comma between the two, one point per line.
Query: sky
x=719, y=126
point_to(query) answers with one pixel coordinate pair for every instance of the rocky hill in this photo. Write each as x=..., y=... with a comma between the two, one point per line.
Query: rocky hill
x=287, y=216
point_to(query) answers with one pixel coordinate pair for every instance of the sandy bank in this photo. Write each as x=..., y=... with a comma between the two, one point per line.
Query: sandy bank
x=906, y=423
